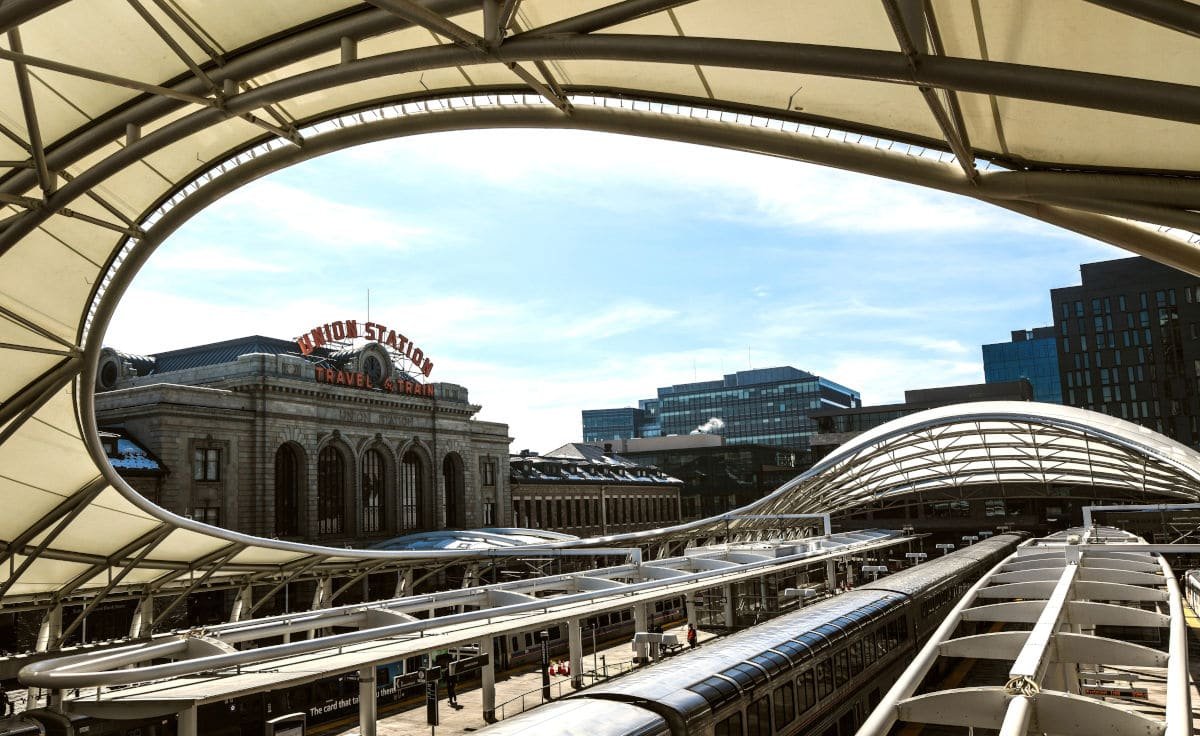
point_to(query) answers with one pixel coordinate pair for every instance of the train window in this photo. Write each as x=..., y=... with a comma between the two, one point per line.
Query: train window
x=824, y=678
x=625, y=615
x=808, y=690
x=758, y=716
x=555, y=632
x=731, y=726
x=841, y=672
x=515, y=644
x=772, y=662
x=785, y=704
x=528, y=640
x=856, y=657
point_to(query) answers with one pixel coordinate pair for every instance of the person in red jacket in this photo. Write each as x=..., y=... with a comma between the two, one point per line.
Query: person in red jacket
x=691, y=636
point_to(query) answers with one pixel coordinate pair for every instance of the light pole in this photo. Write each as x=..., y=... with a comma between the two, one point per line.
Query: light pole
x=916, y=557
x=945, y=548
x=874, y=570
x=971, y=539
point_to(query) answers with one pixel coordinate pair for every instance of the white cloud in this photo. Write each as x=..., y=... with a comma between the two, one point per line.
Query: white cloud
x=883, y=378
x=617, y=320
x=210, y=258
x=278, y=209
x=753, y=188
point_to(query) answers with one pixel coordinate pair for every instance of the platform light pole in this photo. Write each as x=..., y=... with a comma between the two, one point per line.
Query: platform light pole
x=916, y=557
x=970, y=539
x=945, y=548
x=544, y=638
x=595, y=669
x=874, y=570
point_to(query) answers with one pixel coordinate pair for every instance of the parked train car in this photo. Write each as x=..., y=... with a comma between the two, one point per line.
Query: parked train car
x=819, y=670
x=53, y=723
x=20, y=725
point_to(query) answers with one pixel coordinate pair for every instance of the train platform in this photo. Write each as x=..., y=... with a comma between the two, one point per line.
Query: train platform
x=518, y=691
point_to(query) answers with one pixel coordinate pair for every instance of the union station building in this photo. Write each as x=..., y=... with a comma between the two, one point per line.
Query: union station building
x=327, y=440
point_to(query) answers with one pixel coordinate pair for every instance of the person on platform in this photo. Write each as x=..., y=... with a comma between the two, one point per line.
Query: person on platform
x=691, y=636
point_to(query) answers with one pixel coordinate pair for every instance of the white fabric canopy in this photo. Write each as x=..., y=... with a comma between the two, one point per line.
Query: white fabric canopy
x=120, y=119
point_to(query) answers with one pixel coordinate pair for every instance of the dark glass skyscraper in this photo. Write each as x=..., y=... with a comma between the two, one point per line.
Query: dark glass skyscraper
x=1032, y=355
x=1128, y=341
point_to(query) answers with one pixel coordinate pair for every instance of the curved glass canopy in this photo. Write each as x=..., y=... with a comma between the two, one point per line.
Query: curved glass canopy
x=121, y=120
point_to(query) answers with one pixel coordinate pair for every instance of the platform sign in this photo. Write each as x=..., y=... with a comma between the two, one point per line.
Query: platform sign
x=432, y=675
x=467, y=665
x=1114, y=692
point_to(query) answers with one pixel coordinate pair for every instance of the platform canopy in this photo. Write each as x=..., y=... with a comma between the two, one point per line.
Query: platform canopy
x=981, y=449
x=121, y=119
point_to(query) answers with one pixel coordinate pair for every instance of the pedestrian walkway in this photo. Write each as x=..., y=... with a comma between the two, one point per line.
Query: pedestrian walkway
x=519, y=690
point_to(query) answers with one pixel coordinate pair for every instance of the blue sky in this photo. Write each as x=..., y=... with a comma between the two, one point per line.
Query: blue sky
x=552, y=271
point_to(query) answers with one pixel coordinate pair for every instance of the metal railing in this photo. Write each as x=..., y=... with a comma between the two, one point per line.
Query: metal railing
x=530, y=699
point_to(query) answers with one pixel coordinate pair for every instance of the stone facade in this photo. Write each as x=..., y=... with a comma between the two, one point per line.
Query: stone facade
x=579, y=489
x=262, y=444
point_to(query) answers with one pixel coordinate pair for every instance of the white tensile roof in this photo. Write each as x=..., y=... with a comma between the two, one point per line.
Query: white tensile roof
x=120, y=119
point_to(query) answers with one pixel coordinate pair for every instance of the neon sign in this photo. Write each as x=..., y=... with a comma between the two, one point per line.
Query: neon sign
x=373, y=331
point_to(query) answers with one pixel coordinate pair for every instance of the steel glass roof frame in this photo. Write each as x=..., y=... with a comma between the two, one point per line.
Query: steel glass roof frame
x=204, y=82
x=1065, y=585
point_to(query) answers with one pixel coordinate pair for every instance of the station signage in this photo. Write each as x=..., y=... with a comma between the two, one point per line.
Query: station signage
x=1114, y=692
x=349, y=329
x=358, y=379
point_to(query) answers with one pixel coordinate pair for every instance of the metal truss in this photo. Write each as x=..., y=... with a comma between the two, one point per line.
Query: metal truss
x=62, y=194
x=1061, y=671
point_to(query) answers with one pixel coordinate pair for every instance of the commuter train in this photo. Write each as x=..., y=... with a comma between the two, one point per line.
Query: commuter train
x=818, y=670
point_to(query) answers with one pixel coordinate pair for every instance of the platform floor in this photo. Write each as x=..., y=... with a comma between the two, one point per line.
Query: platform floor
x=514, y=691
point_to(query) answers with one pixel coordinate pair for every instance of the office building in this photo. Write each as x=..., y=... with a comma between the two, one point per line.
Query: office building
x=1128, y=341
x=717, y=477
x=766, y=406
x=1030, y=354
x=835, y=427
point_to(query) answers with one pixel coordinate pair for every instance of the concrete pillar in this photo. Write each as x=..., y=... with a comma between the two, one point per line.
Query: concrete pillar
x=575, y=646
x=488, y=679
x=762, y=595
x=729, y=590
x=242, y=604
x=366, y=701
x=143, y=619
x=831, y=581
x=603, y=510
x=185, y=722
x=641, y=623
x=689, y=607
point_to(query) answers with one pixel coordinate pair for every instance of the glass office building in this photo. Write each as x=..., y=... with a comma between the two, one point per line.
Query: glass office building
x=1032, y=355
x=766, y=406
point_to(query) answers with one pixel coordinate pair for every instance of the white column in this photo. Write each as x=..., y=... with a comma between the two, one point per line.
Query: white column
x=242, y=604
x=831, y=575
x=575, y=646
x=185, y=721
x=689, y=606
x=488, y=679
x=641, y=623
x=143, y=619
x=48, y=633
x=366, y=701
x=729, y=621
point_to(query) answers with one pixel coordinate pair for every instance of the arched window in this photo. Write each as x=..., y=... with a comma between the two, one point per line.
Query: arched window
x=452, y=474
x=410, y=490
x=373, y=475
x=331, y=491
x=287, y=492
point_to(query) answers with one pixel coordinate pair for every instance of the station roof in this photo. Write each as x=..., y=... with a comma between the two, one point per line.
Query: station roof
x=1050, y=614
x=122, y=120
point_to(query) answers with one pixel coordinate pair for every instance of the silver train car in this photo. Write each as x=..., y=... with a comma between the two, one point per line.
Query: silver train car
x=819, y=670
